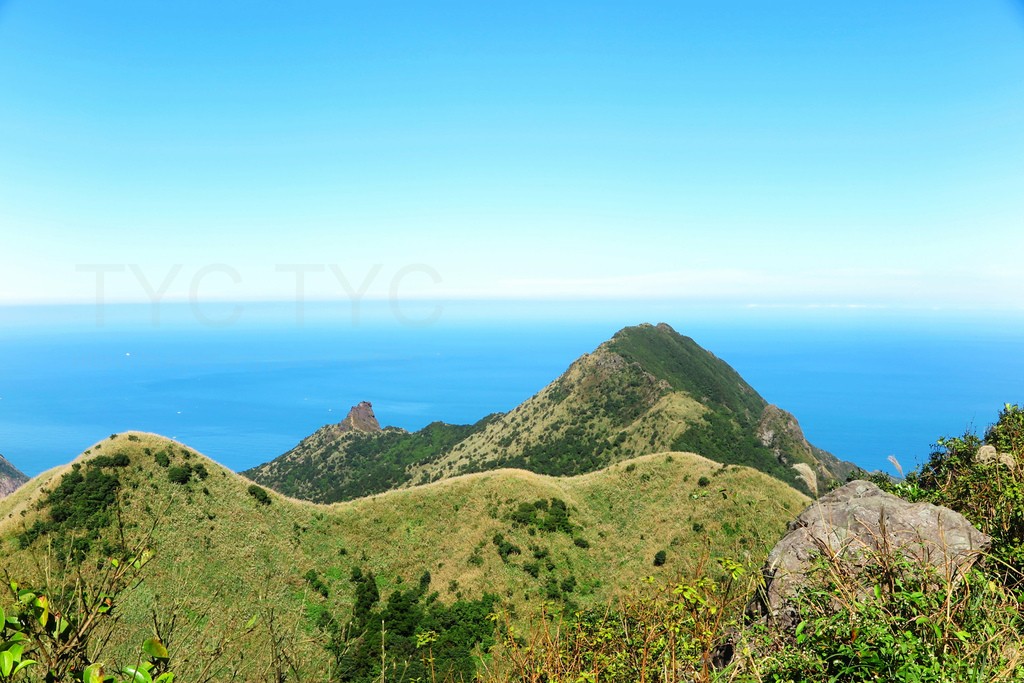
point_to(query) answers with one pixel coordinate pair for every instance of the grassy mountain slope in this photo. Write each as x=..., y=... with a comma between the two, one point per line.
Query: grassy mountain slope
x=10, y=477
x=221, y=557
x=648, y=389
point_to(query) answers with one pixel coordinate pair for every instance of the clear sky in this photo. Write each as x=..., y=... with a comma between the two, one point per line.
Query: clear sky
x=795, y=153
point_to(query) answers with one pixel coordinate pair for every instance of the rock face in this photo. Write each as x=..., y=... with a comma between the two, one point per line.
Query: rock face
x=10, y=477
x=853, y=523
x=361, y=419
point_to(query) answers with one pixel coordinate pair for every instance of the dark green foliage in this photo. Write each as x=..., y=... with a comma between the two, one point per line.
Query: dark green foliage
x=116, y=460
x=723, y=439
x=581, y=542
x=261, y=496
x=698, y=527
x=313, y=579
x=631, y=467
x=568, y=584
x=458, y=629
x=199, y=469
x=79, y=508
x=532, y=568
x=505, y=548
x=369, y=463
x=162, y=459
x=668, y=355
x=660, y=557
x=703, y=481
x=180, y=475
x=543, y=516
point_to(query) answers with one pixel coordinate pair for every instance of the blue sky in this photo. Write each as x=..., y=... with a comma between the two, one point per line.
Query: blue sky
x=798, y=153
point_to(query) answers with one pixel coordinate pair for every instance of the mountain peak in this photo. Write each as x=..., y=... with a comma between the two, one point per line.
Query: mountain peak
x=361, y=419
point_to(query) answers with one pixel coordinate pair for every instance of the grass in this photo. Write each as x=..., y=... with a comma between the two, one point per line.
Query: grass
x=227, y=584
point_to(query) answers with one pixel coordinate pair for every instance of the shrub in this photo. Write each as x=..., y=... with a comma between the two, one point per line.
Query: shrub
x=162, y=459
x=703, y=481
x=532, y=568
x=200, y=471
x=259, y=494
x=631, y=467
x=179, y=475
x=581, y=542
x=659, y=558
x=313, y=579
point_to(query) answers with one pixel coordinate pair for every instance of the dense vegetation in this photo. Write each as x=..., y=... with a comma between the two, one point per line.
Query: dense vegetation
x=360, y=464
x=412, y=636
x=721, y=439
x=688, y=367
x=79, y=507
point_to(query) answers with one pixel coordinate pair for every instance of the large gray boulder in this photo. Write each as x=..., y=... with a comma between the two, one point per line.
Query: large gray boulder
x=853, y=525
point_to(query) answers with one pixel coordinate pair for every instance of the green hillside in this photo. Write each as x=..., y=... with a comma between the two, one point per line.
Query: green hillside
x=327, y=467
x=245, y=582
x=647, y=390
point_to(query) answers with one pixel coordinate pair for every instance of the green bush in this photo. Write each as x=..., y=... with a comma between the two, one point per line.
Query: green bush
x=703, y=481
x=659, y=558
x=580, y=542
x=179, y=475
x=162, y=459
x=259, y=494
x=532, y=568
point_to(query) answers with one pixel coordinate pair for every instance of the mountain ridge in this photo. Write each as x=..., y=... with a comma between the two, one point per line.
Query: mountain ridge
x=645, y=390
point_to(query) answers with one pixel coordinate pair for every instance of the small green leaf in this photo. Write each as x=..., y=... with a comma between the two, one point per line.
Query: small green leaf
x=6, y=663
x=154, y=648
x=26, y=663
x=93, y=673
x=137, y=675
x=165, y=678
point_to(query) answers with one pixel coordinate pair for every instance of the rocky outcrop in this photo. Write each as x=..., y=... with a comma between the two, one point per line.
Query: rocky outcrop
x=855, y=524
x=361, y=419
x=10, y=477
x=780, y=431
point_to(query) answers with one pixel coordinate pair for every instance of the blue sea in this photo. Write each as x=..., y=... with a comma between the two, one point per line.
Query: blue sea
x=864, y=383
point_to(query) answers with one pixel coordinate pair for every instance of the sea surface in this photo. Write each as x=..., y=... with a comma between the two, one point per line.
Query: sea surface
x=243, y=383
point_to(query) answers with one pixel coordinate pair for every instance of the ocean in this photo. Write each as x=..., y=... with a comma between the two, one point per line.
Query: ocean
x=864, y=383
